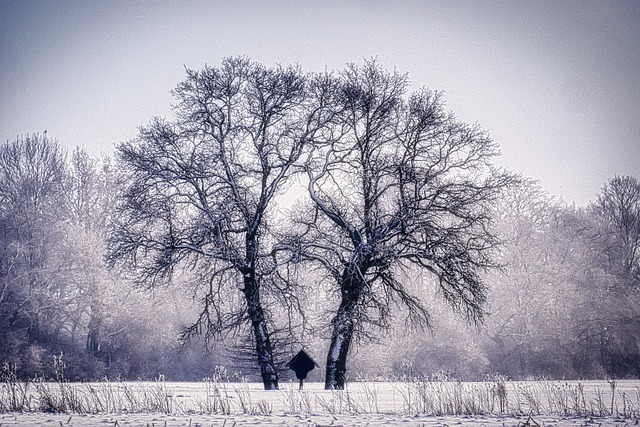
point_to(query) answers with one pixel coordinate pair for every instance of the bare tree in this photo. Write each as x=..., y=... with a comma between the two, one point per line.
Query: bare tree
x=200, y=191
x=617, y=320
x=398, y=186
x=618, y=211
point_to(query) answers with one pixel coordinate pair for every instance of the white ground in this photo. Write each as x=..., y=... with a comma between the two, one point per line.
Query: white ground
x=364, y=420
x=362, y=404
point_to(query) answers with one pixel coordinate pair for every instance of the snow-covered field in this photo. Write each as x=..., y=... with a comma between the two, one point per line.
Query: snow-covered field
x=284, y=420
x=420, y=403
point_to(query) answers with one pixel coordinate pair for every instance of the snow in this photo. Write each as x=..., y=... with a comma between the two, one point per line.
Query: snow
x=284, y=420
x=360, y=404
x=337, y=346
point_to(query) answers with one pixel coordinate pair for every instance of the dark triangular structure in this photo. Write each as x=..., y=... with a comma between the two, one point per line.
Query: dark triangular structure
x=302, y=364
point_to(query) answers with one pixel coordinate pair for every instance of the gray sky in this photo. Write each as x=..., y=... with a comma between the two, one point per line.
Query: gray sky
x=557, y=83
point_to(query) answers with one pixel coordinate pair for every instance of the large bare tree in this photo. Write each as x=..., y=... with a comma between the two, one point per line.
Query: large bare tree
x=399, y=186
x=200, y=190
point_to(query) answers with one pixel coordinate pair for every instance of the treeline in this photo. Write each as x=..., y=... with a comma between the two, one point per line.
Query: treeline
x=334, y=212
x=57, y=294
x=565, y=305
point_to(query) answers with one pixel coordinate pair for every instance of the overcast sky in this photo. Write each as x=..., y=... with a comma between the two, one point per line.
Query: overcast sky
x=556, y=83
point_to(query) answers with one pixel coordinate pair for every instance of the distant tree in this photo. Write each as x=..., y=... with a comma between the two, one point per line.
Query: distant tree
x=32, y=298
x=565, y=304
x=200, y=192
x=615, y=326
x=90, y=189
x=618, y=211
x=398, y=185
x=535, y=297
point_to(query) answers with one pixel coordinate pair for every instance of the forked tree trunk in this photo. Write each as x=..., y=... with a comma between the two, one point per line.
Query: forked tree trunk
x=264, y=351
x=343, y=327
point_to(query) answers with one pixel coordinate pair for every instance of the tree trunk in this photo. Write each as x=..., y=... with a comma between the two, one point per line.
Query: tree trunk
x=343, y=327
x=93, y=334
x=264, y=350
x=338, y=351
x=93, y=342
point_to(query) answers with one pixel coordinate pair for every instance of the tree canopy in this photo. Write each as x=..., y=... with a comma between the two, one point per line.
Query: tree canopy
x=397, y=185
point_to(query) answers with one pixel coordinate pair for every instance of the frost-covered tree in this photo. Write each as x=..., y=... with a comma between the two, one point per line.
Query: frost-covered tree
x=90, y=189
x=618, y=212
x=32, y=170
x=565, y=304
x=615, y=328
x=531, y=322
x=398, y=185
x=200, y=192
